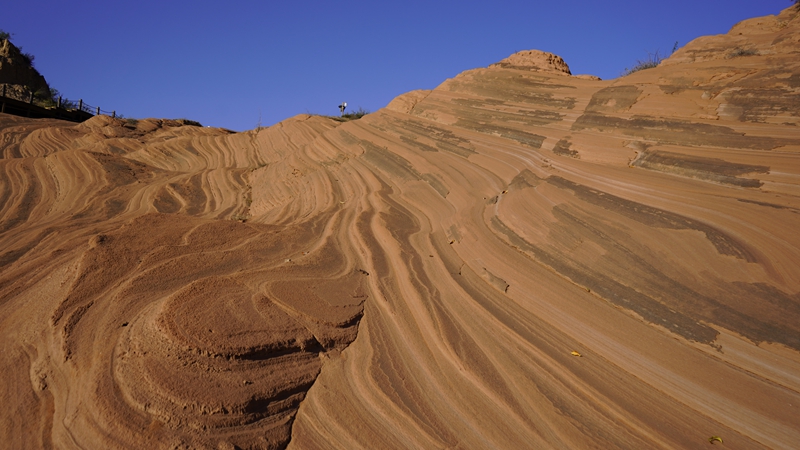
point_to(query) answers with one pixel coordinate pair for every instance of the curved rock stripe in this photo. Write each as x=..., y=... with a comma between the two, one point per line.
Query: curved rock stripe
x=518, y=258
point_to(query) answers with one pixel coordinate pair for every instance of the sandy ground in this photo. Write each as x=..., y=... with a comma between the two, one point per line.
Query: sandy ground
x=519, y=258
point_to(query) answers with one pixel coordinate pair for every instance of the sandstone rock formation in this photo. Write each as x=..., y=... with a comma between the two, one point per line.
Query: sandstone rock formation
x=535, y=60
x=515, y=259
x=17, y=72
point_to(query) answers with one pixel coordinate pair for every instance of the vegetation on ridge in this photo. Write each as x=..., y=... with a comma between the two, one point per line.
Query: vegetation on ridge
x=27, y=57
x=24, y=83
x=739, y=51
x=355, y=115
x=653, y=60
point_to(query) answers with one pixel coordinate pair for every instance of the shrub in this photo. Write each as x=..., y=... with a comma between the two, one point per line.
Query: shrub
x=44, y=97
x=743, y=52
x=192, y=123
x=50, y=99
x=27, y=58
x=357, y=114
x=653, y=60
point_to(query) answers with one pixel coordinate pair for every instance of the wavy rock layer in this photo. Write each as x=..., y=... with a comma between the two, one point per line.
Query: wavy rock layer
x=516, y=259
x=142, y=308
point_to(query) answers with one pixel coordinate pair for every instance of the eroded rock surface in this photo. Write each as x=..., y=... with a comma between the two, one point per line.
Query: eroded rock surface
x=535, y=60
x=17, y=73
x=516, y=259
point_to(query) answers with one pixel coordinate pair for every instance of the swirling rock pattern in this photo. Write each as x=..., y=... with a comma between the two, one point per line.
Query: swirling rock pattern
x=518, y=258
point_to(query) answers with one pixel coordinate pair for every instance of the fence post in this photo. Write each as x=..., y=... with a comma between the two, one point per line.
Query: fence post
x=59, y=102
x=80, y=105
x=98, y=111
x=4, y=89
x=30, y=100
x=114, y=114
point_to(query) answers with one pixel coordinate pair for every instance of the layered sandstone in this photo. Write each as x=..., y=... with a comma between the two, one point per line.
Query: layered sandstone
x=516, y=259
x=534, y=60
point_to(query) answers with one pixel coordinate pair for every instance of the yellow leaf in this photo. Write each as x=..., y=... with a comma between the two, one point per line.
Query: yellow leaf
x=574, y=353
x=715, y=438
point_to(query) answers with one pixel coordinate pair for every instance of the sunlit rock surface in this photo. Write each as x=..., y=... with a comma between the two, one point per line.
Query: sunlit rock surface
x=518, y=258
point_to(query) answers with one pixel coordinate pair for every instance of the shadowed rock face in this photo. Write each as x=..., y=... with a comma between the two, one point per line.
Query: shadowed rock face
x=421, y=277
x=19, y=74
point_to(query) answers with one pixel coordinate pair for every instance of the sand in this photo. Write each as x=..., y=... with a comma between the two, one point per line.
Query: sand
x=519, y=258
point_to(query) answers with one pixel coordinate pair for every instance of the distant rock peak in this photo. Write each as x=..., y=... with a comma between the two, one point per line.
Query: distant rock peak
x=535, y=60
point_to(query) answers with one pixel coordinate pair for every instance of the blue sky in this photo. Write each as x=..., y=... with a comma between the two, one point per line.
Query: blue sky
x=227, y=64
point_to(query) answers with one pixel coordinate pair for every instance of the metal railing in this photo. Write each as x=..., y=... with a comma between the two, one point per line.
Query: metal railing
x=25, y=103
x=94, y=110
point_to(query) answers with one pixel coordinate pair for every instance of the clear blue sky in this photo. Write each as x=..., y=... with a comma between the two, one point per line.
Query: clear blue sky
x=224, y=64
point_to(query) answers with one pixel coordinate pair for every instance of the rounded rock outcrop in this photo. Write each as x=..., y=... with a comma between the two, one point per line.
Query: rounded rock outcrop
x=535, y=60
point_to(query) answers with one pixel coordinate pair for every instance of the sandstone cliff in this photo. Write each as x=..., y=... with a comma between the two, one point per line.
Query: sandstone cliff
x=17, y=72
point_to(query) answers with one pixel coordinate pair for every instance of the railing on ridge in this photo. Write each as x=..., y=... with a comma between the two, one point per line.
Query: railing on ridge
x=36, y=108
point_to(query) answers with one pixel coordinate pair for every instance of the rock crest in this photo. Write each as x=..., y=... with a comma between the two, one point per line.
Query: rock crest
x=17, y=72
x=535, y=60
